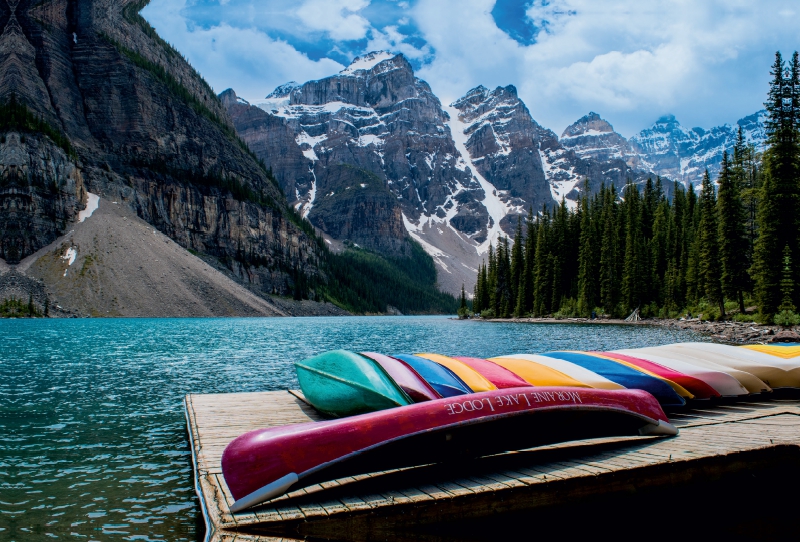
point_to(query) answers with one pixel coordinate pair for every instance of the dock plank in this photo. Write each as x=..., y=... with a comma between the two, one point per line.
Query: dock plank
x=515, y=479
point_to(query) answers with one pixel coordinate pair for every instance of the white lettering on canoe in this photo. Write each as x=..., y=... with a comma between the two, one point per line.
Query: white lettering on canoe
x=556, y=396
x=512, y=400
x=472, y=405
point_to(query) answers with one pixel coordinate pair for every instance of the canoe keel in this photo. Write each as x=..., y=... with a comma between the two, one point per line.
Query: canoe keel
x=264, y=464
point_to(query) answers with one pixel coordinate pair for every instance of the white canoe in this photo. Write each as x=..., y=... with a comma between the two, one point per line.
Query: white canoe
x=775, y=372
x=581, y=374
x=720, y=380
x=752, y=383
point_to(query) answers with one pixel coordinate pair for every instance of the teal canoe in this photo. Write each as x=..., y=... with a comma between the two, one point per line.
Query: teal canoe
x=342, y=383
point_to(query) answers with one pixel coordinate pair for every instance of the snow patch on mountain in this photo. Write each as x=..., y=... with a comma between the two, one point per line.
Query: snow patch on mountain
x=498, y=209
x=367, y=62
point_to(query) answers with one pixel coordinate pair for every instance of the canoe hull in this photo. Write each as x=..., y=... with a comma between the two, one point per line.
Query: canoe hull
x=341, y=383
x=697, y=387
x=443, y=380
x=405, y=377
x=498, y=375
x=624, y=376
x=259, y=465
x=723, y=383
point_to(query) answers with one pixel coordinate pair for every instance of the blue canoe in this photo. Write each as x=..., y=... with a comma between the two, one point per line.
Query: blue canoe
x=443, y=380
x=623, y=375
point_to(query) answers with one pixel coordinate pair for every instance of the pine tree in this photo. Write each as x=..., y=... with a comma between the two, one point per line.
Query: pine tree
x=693, y=278
x=491, y=281
x=517, y=266
x=541, y=282
x=708, y=240
x=659, y=251
x=609, y=282
x=787, y=316
x=632, y=271
x=732, y=235
x=587, y=264
x=525, y=296
x=778, y=214
x=463, y=305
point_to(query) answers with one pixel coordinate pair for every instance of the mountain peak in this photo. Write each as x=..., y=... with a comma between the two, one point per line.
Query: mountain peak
x=368, y=61
x=588, y=125
x=283, y=90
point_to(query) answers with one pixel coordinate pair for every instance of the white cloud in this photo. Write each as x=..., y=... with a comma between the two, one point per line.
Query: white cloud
x=336, y=17
x=707, y=62
x=245, y=59
x=630, y=60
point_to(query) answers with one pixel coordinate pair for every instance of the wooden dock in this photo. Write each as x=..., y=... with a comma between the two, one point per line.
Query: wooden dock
x=718, y=444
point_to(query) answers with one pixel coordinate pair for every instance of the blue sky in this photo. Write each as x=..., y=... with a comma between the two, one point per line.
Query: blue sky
x=632, y=61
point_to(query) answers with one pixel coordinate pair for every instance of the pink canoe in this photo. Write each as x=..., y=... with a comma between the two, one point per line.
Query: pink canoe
x=404, y=376
x=263, y=464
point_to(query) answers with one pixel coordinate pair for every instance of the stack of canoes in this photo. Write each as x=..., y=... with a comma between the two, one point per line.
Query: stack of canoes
x=464, y=407
x=342, y=383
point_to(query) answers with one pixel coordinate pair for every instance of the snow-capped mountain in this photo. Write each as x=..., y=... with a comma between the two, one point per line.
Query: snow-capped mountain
x=593, y=138
x=371, y=156
x=675, y=152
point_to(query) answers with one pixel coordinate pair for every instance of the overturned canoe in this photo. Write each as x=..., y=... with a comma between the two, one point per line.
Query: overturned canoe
x=677, y=388
x=722, y=382
x=494, y=373
x=341, y=383
x=624, y=376
x=698, y=388
x=443, y=380
x=405, y=377
x=472, y=378
x=542, y=371
x=776, y=372
x=752, y=383
x=266, y=463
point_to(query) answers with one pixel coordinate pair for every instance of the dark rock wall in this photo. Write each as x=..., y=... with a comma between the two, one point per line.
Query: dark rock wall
x=149, y=133
x=41, y=192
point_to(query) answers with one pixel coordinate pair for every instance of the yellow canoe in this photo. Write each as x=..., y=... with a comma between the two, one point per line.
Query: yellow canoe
x=543, y=371
x=470, y=376
x=752, y=383
x=783, y=352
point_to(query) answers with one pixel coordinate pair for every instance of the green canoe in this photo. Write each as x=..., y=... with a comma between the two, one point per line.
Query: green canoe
x=341, y=383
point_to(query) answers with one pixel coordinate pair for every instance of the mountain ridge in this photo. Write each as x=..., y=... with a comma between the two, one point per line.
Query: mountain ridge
x=461, y=175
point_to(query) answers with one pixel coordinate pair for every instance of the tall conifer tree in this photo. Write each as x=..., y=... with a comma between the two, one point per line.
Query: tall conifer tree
x=778, y=215
x=732, y=238
x=708, y=243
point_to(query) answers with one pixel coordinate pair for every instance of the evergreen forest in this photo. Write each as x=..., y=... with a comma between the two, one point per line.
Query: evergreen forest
x=732, y=246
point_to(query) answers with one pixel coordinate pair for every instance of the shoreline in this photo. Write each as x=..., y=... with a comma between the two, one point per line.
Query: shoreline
x=725, y=332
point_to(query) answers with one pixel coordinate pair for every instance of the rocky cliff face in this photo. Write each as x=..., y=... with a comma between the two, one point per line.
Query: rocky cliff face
x=388, y=129
x=41, y=193
x=146, y=131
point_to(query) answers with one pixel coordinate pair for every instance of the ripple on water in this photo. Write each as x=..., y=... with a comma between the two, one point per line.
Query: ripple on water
x=94, y=440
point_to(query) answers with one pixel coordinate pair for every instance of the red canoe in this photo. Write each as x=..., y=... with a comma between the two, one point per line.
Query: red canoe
x=497, y=375
x=263, y=464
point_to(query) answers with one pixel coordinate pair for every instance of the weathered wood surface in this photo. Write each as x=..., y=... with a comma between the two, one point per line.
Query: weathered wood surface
x=511, y=482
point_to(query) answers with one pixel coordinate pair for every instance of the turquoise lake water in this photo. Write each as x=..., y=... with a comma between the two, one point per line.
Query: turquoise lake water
x=94, y=442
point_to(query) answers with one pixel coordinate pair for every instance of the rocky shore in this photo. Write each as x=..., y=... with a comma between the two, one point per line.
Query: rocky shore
x=724, y=332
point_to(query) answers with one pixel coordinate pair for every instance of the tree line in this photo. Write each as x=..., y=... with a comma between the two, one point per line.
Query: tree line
x=731, y=245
